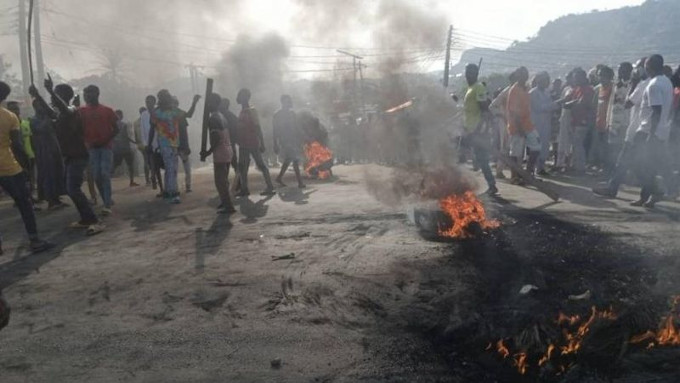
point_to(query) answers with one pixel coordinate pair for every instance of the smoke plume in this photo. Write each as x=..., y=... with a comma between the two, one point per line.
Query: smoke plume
x=404, y=185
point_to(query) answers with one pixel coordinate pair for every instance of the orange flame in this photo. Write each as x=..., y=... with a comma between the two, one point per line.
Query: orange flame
x=521, y=362
x=667, y=335
x=502, y=349
x=570, y=344
x=574, y=340
x=317, y=155
x=464, y=210
x=572, y=320
x=548, y=355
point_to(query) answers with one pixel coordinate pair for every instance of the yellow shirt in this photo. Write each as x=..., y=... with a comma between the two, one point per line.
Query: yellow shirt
x=473, y=112
x=8, y=164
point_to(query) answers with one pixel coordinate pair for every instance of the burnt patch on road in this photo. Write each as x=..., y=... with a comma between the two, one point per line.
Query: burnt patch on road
x=542, y=300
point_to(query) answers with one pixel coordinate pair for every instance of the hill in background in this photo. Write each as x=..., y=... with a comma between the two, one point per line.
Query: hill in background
x=607, y=37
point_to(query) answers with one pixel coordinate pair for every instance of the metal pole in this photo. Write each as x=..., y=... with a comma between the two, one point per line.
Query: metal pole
x=23, y=51
x=39, y=62
x=28, y=32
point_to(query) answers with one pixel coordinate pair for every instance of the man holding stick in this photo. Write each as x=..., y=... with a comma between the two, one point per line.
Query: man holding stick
x=476, y=134
x=221, y=150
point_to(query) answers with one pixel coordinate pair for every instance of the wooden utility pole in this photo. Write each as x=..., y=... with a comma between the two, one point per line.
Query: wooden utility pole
x=447, y=61
x=356, y=66
x=23, y=49
x=361, y=90
x=39, y=62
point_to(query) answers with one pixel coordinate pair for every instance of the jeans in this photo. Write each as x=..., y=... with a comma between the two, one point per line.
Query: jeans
x=579, y=147
x=656, y=161
x=101, y=162
x=75, y=175
x=170, y=160
x=479, y=144
x=630, y=158
x=186, y=164
x=244, y=158
x=15, y=186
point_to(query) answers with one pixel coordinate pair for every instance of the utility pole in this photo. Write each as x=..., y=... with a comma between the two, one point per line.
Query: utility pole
x=23, y=49
x=356, y=65
x=40, y=63
x=361, y=91
x=447, y=63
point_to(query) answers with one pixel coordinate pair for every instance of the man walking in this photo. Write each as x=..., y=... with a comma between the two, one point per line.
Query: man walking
x=69, y=132
x=140, y=143
x=12, y=177
x=166, y=122
x=122, y=148
x=520, y=128
x=657, y=103
x=100, y=125
x=288, y=139
x=221, y=150
x=542, y=109
x=26, y=136
x=581, y=103
x=251, y=144
x=630, y=152
x=476, y=136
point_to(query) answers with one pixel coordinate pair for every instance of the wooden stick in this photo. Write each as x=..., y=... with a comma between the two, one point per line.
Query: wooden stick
x=206, y=118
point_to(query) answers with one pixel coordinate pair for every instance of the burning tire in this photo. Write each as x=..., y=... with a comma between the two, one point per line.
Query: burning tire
x=319, y=160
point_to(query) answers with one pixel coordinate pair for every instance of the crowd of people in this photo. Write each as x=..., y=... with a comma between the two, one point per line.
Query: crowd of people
x=53, y=153
x=601, y=122
x=623, y=126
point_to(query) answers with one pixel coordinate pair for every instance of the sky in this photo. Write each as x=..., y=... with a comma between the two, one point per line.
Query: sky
x=520, y=19
x=74, y=42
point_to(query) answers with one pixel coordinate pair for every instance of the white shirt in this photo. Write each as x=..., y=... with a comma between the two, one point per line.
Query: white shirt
x=636, y=99
x=659, y=92
x=618, y=117
x=145, y=123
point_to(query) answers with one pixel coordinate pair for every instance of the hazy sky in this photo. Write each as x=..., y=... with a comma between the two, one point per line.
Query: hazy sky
x=519, y=19
x=77, y=30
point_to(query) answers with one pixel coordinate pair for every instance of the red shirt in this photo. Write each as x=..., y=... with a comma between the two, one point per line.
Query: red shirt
x=248, y=122
x=98, y=125
x=583, y=111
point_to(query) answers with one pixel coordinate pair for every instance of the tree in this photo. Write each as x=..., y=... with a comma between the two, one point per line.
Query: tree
x=10, y=78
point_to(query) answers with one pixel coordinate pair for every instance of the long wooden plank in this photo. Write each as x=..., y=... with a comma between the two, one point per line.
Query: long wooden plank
x=206, y=118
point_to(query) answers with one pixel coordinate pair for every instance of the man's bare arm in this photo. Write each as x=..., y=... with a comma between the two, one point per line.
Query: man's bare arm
x=58, y=102
x=192, y=109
